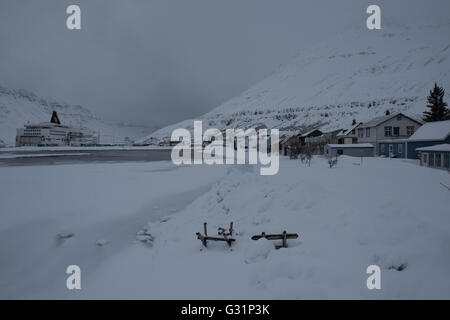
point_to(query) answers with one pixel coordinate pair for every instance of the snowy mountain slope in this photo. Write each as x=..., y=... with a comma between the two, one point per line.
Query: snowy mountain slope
x=17, y=107
x=357, y=75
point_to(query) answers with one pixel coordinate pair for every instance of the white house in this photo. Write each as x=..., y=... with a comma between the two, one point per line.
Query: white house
x=394, y=126
x=387, y=128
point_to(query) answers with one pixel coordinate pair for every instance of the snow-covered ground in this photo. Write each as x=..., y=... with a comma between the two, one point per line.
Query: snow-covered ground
x=388, y=212
x=41, y=205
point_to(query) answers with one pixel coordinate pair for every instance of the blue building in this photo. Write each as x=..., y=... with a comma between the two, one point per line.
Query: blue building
x=392, y=148
x=437, y=156
x=430, y=134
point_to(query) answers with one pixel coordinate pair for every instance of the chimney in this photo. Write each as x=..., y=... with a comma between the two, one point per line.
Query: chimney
x=55, y=118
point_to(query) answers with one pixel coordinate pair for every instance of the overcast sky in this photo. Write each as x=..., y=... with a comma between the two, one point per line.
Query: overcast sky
x=161, y=61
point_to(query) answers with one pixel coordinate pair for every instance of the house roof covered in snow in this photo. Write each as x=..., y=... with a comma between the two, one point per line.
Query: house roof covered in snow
x=379, y=120
x=432, y=131
x=287, y=138
x=439, y=147
x=353, y=145
x=345, y=132
x=305, y=134
x=392, y=140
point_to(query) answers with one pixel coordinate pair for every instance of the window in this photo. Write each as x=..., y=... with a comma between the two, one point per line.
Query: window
x=425, y=158
x=360, y=133
x=409, y=130
x=340, y=151
x=446, y=160
x=353, y=131
x=387, y=131
x=438, y=160
x=367, y=132
x=396, y=131
x=431, y=160
x=400, y=148
x=354, y=140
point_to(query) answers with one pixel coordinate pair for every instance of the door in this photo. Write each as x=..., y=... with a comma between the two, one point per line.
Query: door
x=425, y=159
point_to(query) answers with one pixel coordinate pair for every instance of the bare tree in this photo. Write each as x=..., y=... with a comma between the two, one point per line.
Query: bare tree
x=308, y=153
x=332, y=162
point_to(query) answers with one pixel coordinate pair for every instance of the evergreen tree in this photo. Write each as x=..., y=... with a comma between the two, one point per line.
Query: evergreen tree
x=387, y=112
x=438, y=110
